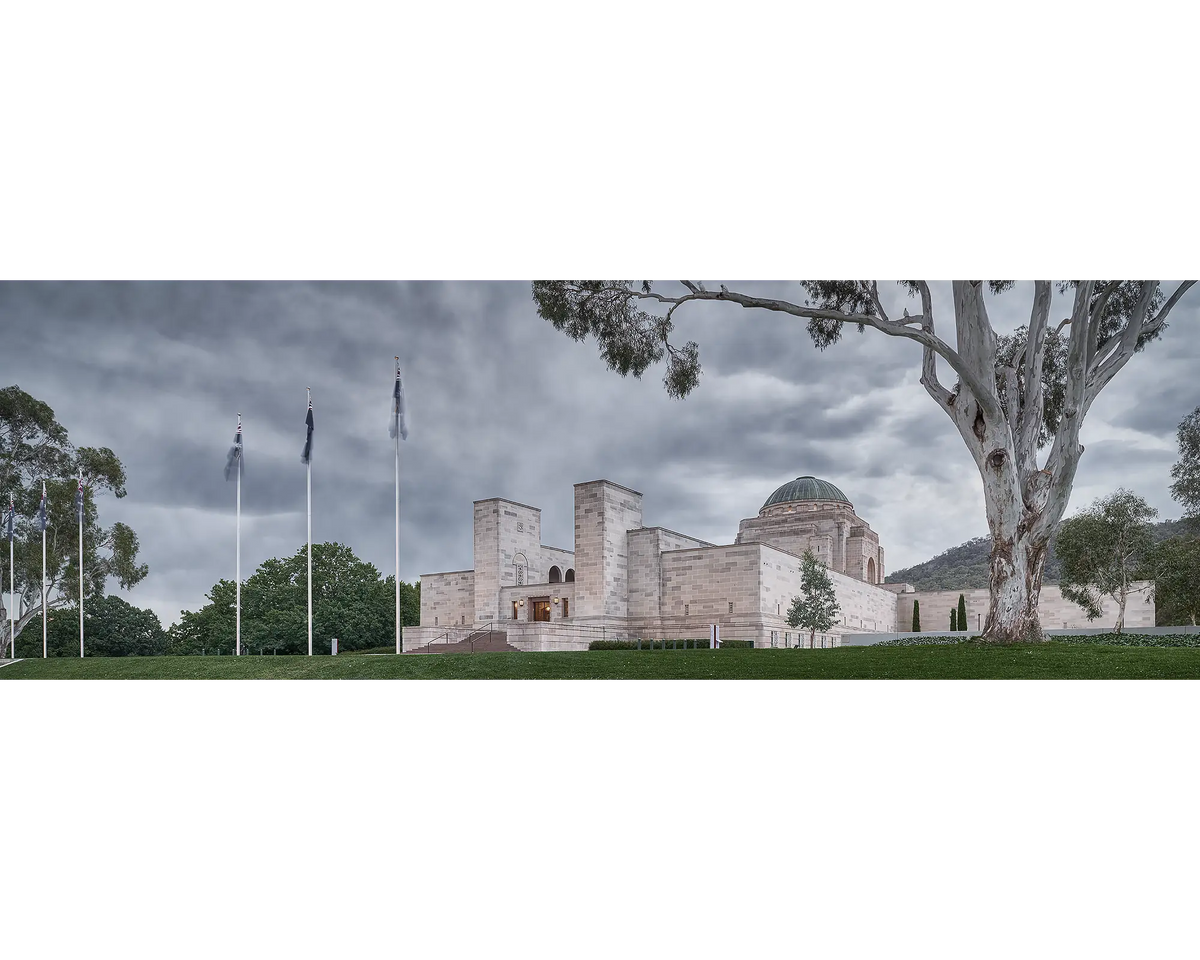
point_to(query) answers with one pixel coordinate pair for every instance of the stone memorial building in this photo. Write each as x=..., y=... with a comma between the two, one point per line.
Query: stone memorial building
x=625, y=580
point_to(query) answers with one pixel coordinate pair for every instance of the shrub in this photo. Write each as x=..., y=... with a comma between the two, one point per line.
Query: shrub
x=679, y=644
x=916, y=624
x=734, y=644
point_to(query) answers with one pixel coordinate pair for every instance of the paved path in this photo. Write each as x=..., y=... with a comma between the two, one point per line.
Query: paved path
x=5, y=663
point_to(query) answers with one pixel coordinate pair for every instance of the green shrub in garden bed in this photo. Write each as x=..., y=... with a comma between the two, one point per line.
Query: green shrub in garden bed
x=1135, y=639
x=679, y=644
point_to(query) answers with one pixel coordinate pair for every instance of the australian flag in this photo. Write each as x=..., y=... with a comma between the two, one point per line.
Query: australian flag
x=42, y=520
x=306, y=456
x=10, y=518
x=79, y=501
x=399, y=424
x=234, y=460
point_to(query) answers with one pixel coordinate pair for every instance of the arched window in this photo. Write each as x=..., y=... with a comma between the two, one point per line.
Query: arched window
x=555, y=575
x=520, y=567
x=871, y=570
x=570, y=575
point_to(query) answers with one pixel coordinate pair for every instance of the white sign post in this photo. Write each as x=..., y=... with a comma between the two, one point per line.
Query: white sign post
x=333, y=647
x=714, y=636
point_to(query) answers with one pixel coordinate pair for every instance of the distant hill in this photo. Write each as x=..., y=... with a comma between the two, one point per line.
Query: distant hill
x=966, y=566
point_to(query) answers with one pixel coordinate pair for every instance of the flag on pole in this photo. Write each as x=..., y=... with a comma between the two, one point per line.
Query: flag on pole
x=399, y=424
x=10, y=519
x=79, y=500
x=234, y=459
x=42, y=520
x=306, y=456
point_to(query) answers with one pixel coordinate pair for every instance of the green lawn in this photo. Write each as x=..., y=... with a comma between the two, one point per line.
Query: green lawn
x=963, y=661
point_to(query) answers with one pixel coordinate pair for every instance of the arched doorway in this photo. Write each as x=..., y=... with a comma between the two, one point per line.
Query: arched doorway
x=555, y=575
x=871, y=570
x=571, y=575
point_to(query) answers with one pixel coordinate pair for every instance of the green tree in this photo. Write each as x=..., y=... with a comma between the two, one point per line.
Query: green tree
x=112, y=628
x=1175, y=566
x=1104, y=550
x=953, y=618
x=962, y=612
x=916, y=623
x=34, y=447
x=350, y=602
x=1012, y=396
x=816, y=608
x=1186, y=473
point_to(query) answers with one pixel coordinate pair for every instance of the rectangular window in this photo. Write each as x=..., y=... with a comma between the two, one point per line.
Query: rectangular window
x=774, y=639
x=731, y=606
x=435, y=619
x=686, y=608
x=566, y=608
x=515, y=617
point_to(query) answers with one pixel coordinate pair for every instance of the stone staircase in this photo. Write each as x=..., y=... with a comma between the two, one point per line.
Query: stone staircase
x=481, y=641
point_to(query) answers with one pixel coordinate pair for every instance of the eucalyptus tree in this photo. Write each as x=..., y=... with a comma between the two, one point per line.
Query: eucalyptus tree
x=1186, y=472
x=34, y=447
x=817, y=607
x=1104, y=550
x=1012, y=396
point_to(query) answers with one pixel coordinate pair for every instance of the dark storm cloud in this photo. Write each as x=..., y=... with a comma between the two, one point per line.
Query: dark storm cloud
x=503, y=405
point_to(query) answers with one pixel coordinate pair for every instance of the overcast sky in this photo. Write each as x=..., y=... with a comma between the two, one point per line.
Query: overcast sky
x=501, y=404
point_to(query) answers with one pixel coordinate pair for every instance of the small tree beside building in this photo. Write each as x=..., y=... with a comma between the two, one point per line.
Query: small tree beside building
x=953, y=619
x=816, y=608
x=916, y=624
x=1104, y=550
x=962, y=612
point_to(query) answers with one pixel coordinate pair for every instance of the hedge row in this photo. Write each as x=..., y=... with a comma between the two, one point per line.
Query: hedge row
x=659, y=644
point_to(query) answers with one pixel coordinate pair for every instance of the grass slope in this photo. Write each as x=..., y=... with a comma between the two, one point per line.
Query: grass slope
x=961, y=661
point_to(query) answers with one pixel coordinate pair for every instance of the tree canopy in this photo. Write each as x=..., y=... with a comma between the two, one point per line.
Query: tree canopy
x=1011, y=397
x=34, y=447
x=1186, y=473
x=350, y=602
x=1104, y=550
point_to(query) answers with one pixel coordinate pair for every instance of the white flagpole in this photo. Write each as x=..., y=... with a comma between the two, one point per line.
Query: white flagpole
x=397, y=530
x=308, y=473
x=44, y=614
x=12, y=588
x=81, y=564
x=238, y=614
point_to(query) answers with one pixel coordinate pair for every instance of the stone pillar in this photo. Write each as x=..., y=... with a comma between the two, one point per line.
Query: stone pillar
x=604, y=513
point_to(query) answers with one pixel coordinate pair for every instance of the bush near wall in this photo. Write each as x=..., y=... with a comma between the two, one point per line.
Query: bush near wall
x=655, y=644
x=1101, y=639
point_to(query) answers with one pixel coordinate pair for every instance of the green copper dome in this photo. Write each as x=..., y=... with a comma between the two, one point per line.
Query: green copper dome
x=806, y=488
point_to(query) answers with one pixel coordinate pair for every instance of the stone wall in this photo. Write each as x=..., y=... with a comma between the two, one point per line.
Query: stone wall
x=1054, y=612
x=646, y=547
x=447, y=598
x=563, y=591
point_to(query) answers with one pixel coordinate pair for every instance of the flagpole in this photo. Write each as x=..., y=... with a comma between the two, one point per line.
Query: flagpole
x=308, y=475
x=12, y=588
x=81, y=563
x=44, y=616
x=238, y=615
x=398, y=630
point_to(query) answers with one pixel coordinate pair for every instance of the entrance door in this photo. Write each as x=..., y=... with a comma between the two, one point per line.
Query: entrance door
x=541, y=610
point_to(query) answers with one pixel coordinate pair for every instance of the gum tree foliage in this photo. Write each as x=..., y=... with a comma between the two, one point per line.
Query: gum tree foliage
x=35, y=446
x=816, y=608
x=1186, y=473
x=1017, y=400
x=1104, y=550
x=350, y=602
x=1175, y=567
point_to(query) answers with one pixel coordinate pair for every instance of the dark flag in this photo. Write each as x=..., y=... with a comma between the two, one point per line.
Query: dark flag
x=10, y=520
x=235, y=461
x=79, y=501
x=306, y=456
x=42, y=520
x=399, y=424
